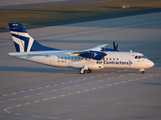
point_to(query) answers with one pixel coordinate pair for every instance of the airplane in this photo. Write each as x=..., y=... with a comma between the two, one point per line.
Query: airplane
x=97, y=58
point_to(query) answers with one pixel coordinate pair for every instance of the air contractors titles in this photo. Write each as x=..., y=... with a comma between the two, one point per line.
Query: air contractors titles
x=114, y=62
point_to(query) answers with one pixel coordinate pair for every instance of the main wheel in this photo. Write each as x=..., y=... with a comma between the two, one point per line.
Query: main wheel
x=82, y=71
x=142, y=72
x=89, y=71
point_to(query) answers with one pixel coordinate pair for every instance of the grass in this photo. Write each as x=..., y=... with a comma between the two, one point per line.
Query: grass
x=73, y=11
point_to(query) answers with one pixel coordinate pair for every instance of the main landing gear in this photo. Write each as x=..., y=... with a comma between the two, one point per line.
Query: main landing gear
x=83, y=70
x=89, y=71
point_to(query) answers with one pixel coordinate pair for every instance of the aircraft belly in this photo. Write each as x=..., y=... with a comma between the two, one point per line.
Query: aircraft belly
x=76, y=66
x=38, y=59
x=117, y=67
x=63, y=65
x=95, y=67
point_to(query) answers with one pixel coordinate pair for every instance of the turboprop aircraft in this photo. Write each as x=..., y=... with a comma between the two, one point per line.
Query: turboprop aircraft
x=97, y=58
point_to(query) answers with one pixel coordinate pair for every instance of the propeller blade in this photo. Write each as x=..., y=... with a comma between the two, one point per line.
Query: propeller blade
x=103, y=55
x=115, y=47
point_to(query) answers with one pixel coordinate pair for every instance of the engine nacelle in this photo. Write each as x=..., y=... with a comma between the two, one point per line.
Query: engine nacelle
x=96, y=55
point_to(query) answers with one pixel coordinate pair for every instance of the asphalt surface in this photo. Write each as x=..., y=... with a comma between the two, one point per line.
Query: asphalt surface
x=31, y=91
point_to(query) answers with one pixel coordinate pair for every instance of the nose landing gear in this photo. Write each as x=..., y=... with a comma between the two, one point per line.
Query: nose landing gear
x=142, y=71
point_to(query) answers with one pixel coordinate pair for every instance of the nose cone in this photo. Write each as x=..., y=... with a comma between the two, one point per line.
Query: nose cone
x=150, y=64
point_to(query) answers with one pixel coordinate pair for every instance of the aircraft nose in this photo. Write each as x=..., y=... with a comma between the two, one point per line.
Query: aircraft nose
x=150, y=64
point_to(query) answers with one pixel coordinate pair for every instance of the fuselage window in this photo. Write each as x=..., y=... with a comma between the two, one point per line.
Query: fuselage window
x=113, y=58
x=110, y=58
x=117, y=59
x=61, y=57
x=106, y=58
x=68, y=58
x=65, y=58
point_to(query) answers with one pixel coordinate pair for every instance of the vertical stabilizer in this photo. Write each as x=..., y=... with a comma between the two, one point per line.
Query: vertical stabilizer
x=23, y=41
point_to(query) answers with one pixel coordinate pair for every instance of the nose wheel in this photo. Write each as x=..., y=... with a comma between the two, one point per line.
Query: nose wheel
x=142, y=71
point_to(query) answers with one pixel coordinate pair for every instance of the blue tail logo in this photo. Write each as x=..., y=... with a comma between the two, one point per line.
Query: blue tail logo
x=23, y=41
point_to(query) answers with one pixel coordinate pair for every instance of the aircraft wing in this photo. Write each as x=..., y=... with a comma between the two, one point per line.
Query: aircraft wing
x=98, y=48
x=103, y=47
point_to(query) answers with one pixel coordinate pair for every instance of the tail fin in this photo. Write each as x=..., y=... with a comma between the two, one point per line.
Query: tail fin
x=23, y=41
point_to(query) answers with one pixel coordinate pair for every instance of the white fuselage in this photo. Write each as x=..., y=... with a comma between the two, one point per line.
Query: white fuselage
x=113, y=60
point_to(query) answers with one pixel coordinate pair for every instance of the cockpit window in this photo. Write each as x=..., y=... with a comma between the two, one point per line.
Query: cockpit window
x=143, y=57
x=139, y=57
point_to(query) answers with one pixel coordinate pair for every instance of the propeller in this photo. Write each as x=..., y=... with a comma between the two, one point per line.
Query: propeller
x=115, y=47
